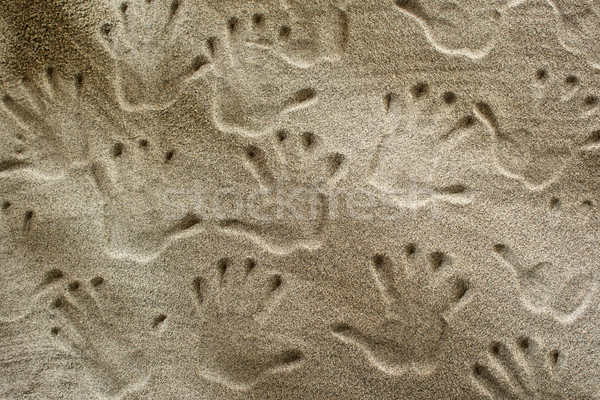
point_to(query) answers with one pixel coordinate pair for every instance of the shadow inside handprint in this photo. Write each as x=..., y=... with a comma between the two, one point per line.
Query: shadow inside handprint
x=235, y=348
x=416, y=298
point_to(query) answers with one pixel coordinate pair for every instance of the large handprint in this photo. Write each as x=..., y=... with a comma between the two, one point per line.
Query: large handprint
x=235, y=349
x=248, y=97
x=409, y=160
x=114, y=366
x=140, y=221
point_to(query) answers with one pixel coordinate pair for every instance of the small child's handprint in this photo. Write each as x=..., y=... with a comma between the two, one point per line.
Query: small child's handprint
x=521, y=370
x=296, y=182
x=531, y=146
x=250, y=95
x=153, y=59
x=114, y=366
x=409, y=160
x=417, y=294
x=48, y=111
x=236, y=350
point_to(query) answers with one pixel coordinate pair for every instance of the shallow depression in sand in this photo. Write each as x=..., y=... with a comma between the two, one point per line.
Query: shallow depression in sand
x=293, y=199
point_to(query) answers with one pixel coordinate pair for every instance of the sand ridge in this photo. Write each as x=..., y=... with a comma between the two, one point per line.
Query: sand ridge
x=291, y=199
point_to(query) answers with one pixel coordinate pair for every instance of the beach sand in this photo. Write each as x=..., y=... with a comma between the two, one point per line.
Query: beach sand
x=299, y=199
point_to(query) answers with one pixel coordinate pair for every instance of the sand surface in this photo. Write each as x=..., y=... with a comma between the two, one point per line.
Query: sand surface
x=299, y=199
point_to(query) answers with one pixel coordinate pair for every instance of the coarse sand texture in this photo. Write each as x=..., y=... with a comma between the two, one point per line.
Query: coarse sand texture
x=300, y=199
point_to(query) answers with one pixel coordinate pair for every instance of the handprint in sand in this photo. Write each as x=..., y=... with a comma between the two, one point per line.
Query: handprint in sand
x=260, y=61
x=424, y=128
x=153, y=57
x=464, y=27
x=533, y=142
x=236, y=350
x=139, y=219
x=522, y=369
x=417, y=293
x=549, y=288
x=50, y=122
x=296, y=181
x=114, y=366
